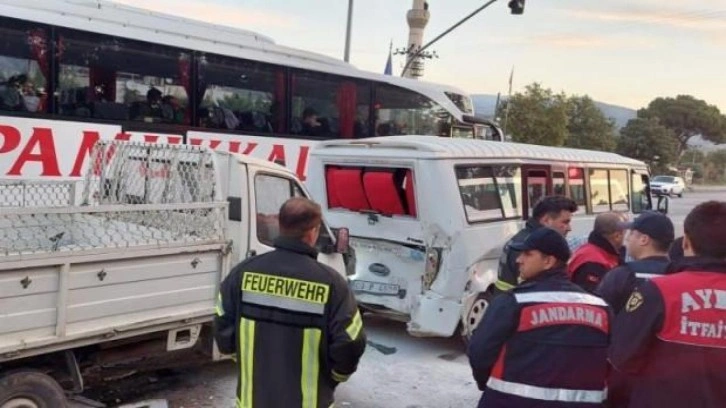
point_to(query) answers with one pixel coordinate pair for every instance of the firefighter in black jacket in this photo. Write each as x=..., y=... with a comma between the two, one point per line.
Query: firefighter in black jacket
x=544, y=343
x=671, y=335
x=292, y=322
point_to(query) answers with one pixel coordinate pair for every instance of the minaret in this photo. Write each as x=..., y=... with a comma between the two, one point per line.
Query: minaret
x=417, y=18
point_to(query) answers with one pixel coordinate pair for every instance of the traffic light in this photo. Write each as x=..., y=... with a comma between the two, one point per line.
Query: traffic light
x=517, y=6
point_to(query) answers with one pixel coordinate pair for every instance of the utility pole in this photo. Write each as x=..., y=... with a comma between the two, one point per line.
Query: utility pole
x=349, y=26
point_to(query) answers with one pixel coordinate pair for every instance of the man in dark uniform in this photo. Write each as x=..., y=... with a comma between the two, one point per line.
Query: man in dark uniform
x=292, y=322
x=672, y=333
x=592, y=261
x=551, y=211
x=675, y=253
x=650, y=237
x=544, y=343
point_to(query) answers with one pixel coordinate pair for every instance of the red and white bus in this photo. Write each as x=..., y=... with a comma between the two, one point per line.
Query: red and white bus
x=72, y=72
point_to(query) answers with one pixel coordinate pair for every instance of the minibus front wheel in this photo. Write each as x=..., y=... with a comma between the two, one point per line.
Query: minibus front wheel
x=476, y=313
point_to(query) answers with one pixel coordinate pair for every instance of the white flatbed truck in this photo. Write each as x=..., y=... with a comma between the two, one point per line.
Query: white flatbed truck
x=126, y=265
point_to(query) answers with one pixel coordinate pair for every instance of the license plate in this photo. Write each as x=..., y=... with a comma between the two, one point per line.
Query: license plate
x=376, y=288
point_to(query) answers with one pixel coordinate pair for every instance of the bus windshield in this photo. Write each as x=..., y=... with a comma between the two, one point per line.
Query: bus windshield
x=403, y=112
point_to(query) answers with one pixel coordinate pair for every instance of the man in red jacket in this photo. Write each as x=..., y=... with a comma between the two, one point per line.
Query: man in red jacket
x=671, y=335
x=601, y=253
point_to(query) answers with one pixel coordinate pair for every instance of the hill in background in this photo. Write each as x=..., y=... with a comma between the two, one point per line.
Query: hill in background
x=484, y=105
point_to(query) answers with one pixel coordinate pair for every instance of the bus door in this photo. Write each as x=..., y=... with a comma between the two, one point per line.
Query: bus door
x=536, y=183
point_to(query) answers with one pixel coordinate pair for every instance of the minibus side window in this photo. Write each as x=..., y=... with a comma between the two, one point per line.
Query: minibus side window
x=558, y=183
x=576, y=181
x=509, y=184
x=536, y=187
x=599, y=191
x=490, y=193
x=641, y=195
x=619, y=190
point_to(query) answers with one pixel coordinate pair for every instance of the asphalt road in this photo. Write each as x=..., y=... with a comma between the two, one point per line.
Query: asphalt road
x=396, y=371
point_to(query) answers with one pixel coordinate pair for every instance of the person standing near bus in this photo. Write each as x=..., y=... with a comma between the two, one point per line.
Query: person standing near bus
x=550, y=211
x=651, y=234
x=647, y=243
x=292, y=322
x=600, y=254
x=546, y=340
x=671, y=335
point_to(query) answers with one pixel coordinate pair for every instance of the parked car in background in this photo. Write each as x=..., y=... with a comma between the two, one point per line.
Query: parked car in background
x=667, y=185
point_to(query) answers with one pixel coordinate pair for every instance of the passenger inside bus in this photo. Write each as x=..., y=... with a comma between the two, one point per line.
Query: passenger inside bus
x=150, y=110
x=171, y=110
x=11, y=96
x=311, y=125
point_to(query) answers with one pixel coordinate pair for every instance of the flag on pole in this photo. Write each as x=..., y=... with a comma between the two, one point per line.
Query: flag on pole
x=389, y=64
x=511, y=77
x=506, y=110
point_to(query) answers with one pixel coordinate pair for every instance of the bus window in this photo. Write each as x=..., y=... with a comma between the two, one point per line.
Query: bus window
x=619, y=190
x=112, y=78
x=242, y=95
x=509, y=184
x=403, y=112
x=536, y=186
x=326, y=106
x=388, y=191
x=576, y=182
x=558, y=183
x=599, y=191
x=641, y=195
x=479, y=193
x=24, y=66
x=463, y=102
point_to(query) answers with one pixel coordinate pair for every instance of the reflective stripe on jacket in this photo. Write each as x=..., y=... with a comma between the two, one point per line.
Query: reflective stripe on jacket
x=294, y=326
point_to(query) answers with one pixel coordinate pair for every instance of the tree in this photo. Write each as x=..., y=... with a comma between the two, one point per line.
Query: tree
x=587, y=127
x=691, y=156
x=695, y=160
x=537, y=116
x=715, y=167
x=647, y=140
x=687, y=117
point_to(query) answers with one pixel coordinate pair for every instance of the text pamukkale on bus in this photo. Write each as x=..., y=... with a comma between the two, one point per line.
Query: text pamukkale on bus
x=32, y=148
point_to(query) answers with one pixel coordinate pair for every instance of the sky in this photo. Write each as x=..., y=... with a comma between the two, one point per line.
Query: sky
x=624, y=52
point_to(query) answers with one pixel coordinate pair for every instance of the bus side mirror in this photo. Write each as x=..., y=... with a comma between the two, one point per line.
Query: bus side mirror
x=663, y=204
x=342, y=241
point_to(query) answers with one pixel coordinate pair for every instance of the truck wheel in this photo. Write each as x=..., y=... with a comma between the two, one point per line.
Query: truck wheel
x=30, y=389
x=475, y=314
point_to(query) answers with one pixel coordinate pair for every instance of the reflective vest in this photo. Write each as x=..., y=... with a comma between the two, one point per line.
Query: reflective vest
x=553, y=322
x=695, y=309
x=591, y=253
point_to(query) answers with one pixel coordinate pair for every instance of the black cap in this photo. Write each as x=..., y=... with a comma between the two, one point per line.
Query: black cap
x=547, y=241
x=655, y=225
